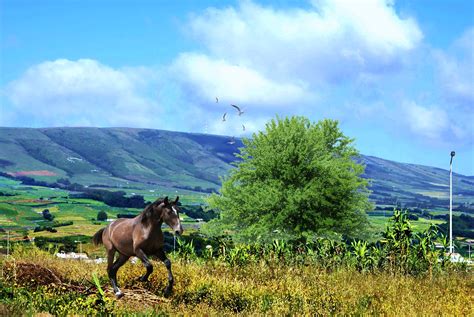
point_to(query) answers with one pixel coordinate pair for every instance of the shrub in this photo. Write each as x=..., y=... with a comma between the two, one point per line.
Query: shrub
x=297, y=178
x=47, y=215
x=101, y=216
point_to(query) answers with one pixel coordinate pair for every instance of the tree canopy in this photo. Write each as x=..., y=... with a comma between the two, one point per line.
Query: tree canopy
x=296, y=180
x=102, y=216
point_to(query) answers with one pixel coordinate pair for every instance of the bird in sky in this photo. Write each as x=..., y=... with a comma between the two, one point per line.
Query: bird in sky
x=243, y=127
x=217, y=100
x=238, y=109
x=223, y=117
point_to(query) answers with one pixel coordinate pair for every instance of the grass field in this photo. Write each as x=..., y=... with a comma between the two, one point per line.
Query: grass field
x=203, y=287
x=379, y=223
x=23, y=210
x=215, y=288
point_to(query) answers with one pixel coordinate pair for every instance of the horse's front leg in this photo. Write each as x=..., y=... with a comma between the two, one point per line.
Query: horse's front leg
x=146, y=262
x=162, y=256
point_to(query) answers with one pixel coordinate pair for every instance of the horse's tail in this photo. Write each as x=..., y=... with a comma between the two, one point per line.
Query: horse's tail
x=97, y=238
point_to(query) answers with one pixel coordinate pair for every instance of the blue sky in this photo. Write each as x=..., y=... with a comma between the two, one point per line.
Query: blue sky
x=398, y=75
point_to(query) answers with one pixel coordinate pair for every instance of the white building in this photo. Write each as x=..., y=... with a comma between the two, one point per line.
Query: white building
x=72, y=255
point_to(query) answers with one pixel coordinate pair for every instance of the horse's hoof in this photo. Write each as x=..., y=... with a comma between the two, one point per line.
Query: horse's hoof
x=142, y=279
x=119, y=294
x=168, y=292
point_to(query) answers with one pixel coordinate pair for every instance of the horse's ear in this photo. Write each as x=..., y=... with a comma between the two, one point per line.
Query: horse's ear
x=166, y=200
x=176, y=200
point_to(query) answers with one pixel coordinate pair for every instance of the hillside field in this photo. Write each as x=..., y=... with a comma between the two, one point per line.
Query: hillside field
x=204, y=286
x=144, y=160
x=22, y=211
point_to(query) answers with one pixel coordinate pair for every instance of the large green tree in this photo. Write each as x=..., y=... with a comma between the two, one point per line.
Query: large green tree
x=297, y=179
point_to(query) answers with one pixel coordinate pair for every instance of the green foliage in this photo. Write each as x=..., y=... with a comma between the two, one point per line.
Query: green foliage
x=186, y=249
x=294, y=180
x=56, y=300
x=360, y=253
x=54, y=224
x=47, y=215
x=463, y=225
x=101, y=216
x=96, y=281
x=198, y=212
x=190, y=161
x=114, y=198
x=407, y=251
x=400, y=251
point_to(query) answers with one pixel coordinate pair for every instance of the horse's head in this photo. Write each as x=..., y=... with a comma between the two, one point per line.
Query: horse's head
x=170, y=215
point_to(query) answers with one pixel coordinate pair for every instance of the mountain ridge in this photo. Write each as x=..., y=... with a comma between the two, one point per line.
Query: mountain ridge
x=120, y=155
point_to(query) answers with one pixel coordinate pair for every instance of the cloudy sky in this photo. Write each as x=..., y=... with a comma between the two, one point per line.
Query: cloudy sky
x=398, y=75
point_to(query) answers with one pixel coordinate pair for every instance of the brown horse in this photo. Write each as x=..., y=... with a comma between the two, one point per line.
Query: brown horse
x=140, y=237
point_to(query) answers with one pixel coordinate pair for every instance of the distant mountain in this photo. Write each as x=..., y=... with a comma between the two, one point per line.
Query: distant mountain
x=416, y=185
x=117, y=156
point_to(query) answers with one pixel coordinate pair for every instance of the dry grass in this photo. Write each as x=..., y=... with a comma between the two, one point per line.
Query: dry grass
x=214, y=288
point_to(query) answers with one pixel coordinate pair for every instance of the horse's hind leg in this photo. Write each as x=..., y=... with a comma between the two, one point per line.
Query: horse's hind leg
x=146, y=262
x=112, y=269
x=162, y=256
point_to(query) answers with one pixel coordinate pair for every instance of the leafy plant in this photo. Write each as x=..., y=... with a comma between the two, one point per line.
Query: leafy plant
x=102, y=216
x=361, y=253
x=295, y=180
x=186, y=250
x=97, y=285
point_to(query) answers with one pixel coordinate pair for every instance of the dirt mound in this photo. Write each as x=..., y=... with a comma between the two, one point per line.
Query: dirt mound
x=31, y=274
x=138, y=298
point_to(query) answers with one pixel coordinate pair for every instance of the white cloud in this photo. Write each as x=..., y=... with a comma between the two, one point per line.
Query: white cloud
x=287, y=61
x=82, y=92
x=330, y=42
x=432, y=123
x=456, y=71
x=264, y=59
x=207, y=78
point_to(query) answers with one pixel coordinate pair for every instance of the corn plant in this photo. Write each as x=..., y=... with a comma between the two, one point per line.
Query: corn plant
x=239, y=255
x=424, y=255
x=397, y=240
x=186, y=250
x=361, y=253
x=281, y=249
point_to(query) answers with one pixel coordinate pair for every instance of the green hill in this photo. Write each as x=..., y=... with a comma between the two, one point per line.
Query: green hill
x=119, y=157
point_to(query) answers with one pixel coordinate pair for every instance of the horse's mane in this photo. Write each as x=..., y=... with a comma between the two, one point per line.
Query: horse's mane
x=148, y=211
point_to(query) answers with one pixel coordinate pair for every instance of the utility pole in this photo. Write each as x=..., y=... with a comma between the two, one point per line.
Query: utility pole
x=8, y=243
x=469, y=244
x=451, y=248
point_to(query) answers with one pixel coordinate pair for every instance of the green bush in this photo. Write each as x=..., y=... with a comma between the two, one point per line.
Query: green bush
x=295, y=181
x=101, y=216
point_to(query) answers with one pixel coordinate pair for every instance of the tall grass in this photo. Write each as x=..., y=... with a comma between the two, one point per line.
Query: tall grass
x=217, y=287
x=403, y=274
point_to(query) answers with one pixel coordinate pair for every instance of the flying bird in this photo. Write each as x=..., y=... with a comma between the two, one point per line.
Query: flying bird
x=238, y=109
x=243, y=127
x=223, y=117
x=231, y=141
x=217, y=100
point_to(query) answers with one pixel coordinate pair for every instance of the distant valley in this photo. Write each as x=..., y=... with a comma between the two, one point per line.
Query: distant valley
x=146, y=158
